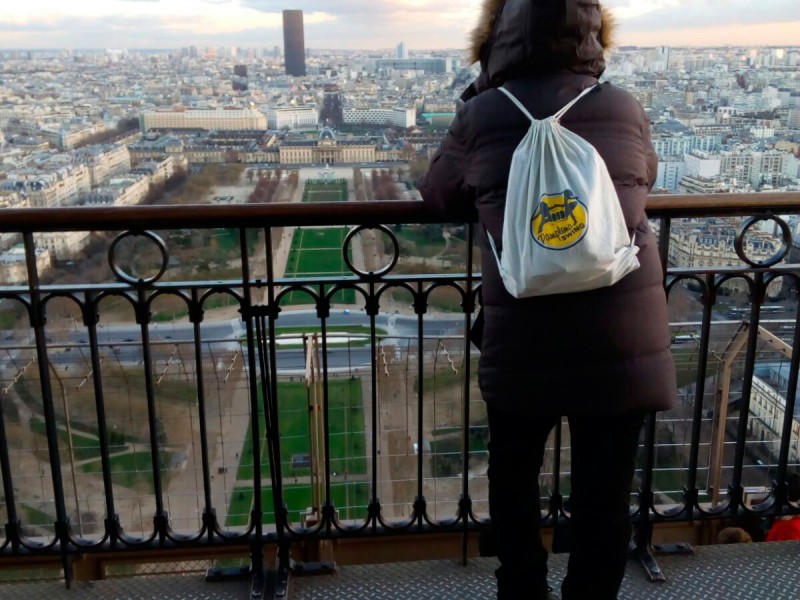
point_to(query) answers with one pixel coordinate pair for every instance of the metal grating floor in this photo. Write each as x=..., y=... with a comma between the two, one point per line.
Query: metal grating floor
x=150, y=587
x=741, y=572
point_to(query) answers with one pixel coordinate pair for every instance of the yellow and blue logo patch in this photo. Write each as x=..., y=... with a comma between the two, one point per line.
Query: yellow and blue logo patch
x=559, y=221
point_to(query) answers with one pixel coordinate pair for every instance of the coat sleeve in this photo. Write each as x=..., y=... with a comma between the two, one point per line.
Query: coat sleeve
x=650, y=154
x=443, y=187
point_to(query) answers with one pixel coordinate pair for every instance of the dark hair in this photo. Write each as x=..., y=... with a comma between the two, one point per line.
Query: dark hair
x=733, y=535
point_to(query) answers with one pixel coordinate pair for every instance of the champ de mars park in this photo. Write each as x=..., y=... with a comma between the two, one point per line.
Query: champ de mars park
x=215, y=255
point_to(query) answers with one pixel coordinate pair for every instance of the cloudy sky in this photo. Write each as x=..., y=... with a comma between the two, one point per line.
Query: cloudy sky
x=365, y=24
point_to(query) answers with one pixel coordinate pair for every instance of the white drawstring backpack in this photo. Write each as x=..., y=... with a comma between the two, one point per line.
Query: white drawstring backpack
x=563, y=228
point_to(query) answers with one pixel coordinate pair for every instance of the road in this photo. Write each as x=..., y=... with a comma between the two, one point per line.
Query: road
x=125, y=340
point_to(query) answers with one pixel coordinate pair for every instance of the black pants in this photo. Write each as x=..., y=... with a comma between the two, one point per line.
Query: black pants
x=602, y=466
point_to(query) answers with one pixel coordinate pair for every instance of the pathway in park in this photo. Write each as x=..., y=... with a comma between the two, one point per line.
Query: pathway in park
x=228, y=420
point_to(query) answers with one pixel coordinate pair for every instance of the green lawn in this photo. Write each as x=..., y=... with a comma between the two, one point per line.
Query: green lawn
x=83, y=447
x=442, y=379
x=34, y=516
x=350, y=499
x=686, y=363
x=415, y=238
x=245, y=470
x=670, y=480
x=319, y=263
x=335, y=329
x=346, y=416
x=317, y=252
x=212, y=302
x=450, y=440
x=294, y=415
x=12, y=315
x=347, y=435
x=177, y=390
x=228, y=240
x=317, y=190
x=323, y=237
x=319, y=195
x=478, y=435
x=130, y=469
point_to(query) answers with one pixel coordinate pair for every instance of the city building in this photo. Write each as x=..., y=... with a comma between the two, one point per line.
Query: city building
x=239, y=79
x=332, y=106
x=13, y=266
x=205, y=153
x=294, y=46
x=703, y=164
x=11, y=199
x=768, y=410
x=104, y=162
x=158, y=170
x=69, y=135
x=156, y=148
x=401, y=51
x=698, y=243
x=423, y=65
x=696, y=184
x=292, y=117
x=64, y=245
x=670, y=173
x=384, y=116
x=737, y=166
x=61, y=186
x=124, y=191
x=196, y=119
x=327, y=149
x=680, y=145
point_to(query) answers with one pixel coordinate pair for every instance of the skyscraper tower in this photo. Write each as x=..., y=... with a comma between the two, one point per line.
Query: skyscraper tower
x=294, y=51
x=331, y=113
x=239, y=79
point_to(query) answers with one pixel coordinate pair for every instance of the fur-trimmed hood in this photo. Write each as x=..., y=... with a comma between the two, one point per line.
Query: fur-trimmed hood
x=517, y=36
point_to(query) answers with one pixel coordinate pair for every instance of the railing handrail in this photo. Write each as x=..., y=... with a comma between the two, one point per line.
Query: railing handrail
x=187, y=216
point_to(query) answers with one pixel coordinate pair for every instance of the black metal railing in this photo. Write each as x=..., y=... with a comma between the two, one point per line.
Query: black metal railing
x=361, y=418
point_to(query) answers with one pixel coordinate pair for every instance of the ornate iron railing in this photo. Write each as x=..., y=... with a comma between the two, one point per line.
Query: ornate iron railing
x=72, y=462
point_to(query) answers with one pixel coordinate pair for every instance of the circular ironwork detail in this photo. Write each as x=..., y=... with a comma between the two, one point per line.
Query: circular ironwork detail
x=126, y=277
x=371, y=274
x=786, y=238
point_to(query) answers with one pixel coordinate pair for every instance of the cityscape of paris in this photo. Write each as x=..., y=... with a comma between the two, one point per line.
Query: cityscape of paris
x=292, y=119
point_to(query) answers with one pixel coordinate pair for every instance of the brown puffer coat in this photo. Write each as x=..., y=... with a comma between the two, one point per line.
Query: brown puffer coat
x=604, y=351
